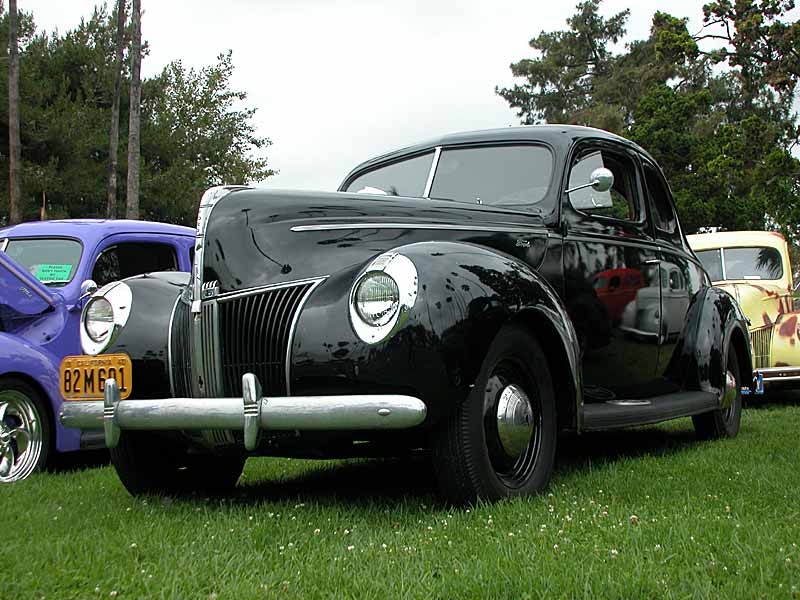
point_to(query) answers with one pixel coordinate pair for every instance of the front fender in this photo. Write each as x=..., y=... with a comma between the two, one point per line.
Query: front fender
x=785, y=345
x=466, y=293
x=714, y=321
x=145, y=336
x=39, y=367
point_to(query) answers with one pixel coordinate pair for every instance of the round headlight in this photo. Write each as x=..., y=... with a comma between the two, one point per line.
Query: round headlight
x=377, y=299
x=99, y=319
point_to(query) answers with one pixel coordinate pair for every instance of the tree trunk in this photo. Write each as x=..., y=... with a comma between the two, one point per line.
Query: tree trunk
x=135, y=112
x=113, y=136
x=14, y=147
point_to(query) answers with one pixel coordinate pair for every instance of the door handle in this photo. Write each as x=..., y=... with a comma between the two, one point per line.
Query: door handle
x=651, y=261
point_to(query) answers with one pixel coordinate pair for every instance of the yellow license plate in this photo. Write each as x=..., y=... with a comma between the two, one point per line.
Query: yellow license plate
x=84, y=377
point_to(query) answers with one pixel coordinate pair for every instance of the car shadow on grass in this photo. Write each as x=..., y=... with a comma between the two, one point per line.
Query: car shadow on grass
x=360, y=482
x=577, y=452
x=389, y=482
x=78, y=461
x=774, y=398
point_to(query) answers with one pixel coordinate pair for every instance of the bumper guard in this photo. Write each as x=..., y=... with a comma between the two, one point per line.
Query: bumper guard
x=250, y=414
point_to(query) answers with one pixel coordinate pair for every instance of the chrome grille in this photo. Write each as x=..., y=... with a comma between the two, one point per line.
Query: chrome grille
x=180, y=351
x=762, y=340
x=246, y=332
x=208, y=376
x=254, y=337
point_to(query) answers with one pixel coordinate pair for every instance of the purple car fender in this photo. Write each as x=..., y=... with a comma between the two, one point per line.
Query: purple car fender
x=40, y=369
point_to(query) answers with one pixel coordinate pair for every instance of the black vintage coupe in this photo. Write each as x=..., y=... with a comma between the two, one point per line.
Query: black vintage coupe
x=470, y=296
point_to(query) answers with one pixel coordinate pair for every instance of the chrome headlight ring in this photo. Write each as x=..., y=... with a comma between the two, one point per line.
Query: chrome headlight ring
x=116, y=294
x=400, y=271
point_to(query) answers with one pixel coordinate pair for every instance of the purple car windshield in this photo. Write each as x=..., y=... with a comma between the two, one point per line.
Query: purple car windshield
x=53, y=261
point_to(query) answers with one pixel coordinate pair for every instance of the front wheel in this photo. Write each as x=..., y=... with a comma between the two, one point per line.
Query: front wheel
x=501, y=441
x=25, y=431
x=724, y=421
x=149, y=464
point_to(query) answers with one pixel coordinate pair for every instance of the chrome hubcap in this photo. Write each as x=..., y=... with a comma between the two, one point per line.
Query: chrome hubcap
x=20, y=436
x=729, y=396
x=514, y=420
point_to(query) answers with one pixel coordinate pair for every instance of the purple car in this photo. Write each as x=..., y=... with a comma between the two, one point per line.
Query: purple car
x=46, y=270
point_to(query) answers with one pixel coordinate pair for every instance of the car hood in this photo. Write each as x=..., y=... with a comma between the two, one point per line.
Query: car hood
x=259, y=237
x=20, y=291
x=761, y=302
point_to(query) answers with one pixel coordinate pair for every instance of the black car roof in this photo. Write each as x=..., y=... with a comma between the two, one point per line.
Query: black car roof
x=555, y=135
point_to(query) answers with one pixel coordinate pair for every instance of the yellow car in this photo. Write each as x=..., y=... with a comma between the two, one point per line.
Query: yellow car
x=754, y=267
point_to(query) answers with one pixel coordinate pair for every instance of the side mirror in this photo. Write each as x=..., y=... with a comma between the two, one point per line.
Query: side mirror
x=88, y=288
x=601, y=181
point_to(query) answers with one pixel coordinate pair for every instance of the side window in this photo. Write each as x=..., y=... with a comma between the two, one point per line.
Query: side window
x=404, y=178
x=664, y=216
x=509, y=175
x=133, y=258
x=712, y=263
x=621, y=201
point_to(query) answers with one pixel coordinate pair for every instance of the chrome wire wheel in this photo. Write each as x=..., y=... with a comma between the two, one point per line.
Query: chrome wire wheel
x=21, y=436
x=512, y=424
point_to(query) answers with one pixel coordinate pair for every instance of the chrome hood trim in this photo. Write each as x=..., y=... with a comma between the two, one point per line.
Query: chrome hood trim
x=210, y=199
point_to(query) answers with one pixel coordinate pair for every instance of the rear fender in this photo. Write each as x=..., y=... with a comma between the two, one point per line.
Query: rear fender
x=714, y=321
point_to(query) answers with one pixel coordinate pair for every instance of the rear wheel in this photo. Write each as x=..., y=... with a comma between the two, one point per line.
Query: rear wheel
x=724, y=421
x=25, y=430
x=500, y=442
x=149, y=464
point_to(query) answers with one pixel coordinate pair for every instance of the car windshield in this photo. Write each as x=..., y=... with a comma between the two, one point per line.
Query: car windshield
x=755, y=263
x=504, y=175
x=53, y=261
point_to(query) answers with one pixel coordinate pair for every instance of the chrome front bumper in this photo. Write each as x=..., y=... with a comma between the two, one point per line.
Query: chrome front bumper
x=775, y=374
x=251, y=413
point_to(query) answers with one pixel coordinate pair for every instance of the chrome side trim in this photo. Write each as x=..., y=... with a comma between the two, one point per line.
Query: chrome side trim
x=439, y=226
x=304, y=413
x=293, y=326
x=169, y=347
x=435, y=163
x=606, y=239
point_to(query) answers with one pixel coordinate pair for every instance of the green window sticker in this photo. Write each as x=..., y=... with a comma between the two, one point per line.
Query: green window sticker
x=53, y=273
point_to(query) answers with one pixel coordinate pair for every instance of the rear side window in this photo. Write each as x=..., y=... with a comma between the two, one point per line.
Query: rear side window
x=404, y=178
x=497, y=175
x=664, y=216
x=133, y=258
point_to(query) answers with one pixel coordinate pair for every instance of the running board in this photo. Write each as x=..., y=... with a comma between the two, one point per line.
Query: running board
x=628, y=413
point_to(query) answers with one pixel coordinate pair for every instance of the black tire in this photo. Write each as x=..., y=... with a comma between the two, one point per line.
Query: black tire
x=26, y=430
x=723, y=422
x=469, y=456
x=149, y=464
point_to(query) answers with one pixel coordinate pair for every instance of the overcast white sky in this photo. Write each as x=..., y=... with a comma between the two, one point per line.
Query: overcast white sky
x=339, y=81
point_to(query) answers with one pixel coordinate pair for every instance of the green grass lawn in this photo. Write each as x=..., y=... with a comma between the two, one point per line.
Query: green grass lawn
x=644, y=513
